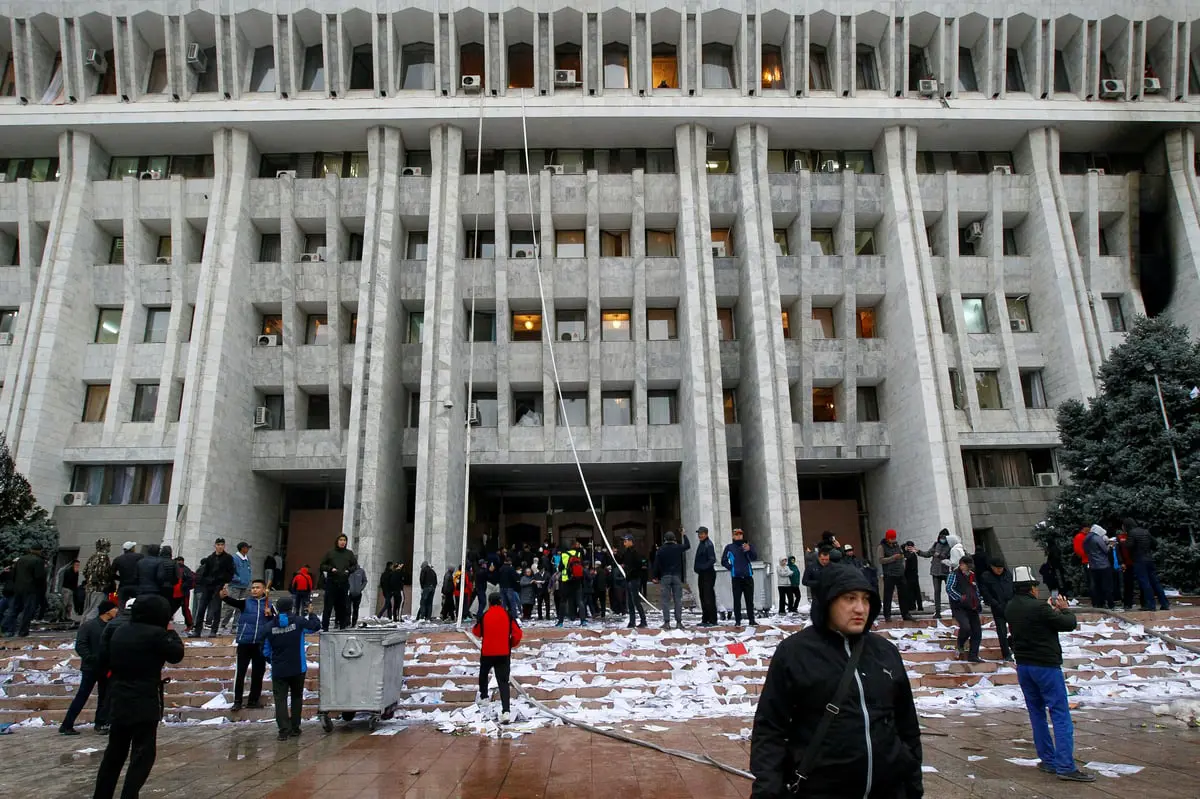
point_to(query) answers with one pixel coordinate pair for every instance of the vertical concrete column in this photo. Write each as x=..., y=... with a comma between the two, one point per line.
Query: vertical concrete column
x=376, y=485
x=1183, y=221
x=994, y=237
x=295, y=401
x=704, y=473
x=335, y=238
x=441, y=462
x=544, y=237
x=503, y=313
x=802, y=402
x=133, y=315
x=954, y=303
x=182, y=236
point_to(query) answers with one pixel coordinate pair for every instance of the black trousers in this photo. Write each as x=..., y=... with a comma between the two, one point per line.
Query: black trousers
x=425, y=611
x=89, y=679
x=138, y=743
x=355, y=601
x=784, y=592
x=283, y=689
x=912, y=584
x=1002, y=633
x=793, y=598
x=249, y=655
x=939, y=588
x=208, y=610
x=501, y=664
x=1102, y=588
x=743, y=587
x=634, y=603
x=708, y=596
x=337, y=600
x=898, y=585
x=542, y=602
x=968, y=629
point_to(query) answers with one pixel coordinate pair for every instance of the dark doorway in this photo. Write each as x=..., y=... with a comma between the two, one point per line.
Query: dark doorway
x=517, y=535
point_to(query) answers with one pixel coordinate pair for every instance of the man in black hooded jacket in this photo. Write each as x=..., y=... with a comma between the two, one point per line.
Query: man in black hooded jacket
x=876, y=724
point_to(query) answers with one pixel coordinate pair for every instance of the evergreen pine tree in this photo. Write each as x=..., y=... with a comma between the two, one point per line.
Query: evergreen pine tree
x=23, y=523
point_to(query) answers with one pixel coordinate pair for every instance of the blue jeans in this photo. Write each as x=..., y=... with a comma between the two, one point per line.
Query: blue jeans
x=1044, y=689
x=18, y=614
x=512, y=602
x=1146, y=573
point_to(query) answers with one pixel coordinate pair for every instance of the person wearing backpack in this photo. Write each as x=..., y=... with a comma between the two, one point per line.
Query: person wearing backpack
x=284, y=648
x=302, y=587
x=571, y=583
x=964, y=606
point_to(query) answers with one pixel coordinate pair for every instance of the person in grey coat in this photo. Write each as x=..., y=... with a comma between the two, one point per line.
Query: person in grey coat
x=939, y=553
x=358, y=581
x=528, y=590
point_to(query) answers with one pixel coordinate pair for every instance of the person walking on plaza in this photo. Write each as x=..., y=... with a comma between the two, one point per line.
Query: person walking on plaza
x=912, y=580
x=355, y=585
x=1098, y=547
x=793, y=573
x=1141, y=550
x=428, y=582
x=125, y=571
x=1035, y=628
x=302, y=588
x=939, y=567
x=498, y=632
x=704, y=565
x=87, y=646
x=738, y=557
x=387, y=599
x=271, y=571
x=836, y=716
x=448, y=583
x=97, y=578
x=284, y=647
x=668, y=572
x=335, y=570
x=812, y=572
x=216, y=569
x=253, y=624
x=239, y=585
x=29, y=583
x=891, y=559
x=135, y=658
x=964, y=606
x=631, y=563
x=996, y=587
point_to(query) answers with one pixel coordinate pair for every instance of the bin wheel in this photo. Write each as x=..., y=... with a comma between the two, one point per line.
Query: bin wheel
x=348, y=715
x=372, y=722
x=326, y=723
x=389, y=714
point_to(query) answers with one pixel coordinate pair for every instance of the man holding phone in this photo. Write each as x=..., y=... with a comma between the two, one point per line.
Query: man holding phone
x=738, y=557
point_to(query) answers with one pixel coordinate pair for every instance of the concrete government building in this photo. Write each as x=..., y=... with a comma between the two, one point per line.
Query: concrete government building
x=807, y=265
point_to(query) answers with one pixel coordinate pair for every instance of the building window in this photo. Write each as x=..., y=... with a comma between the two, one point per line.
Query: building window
x=956, y=390
x=526, y=327
x=567, y=56
x=124, y=485
x=661, y=408
x=487, y=409
x=156, y=325
x=660, y=324
x=823, y=326
x=1006, y=468
x=614, y=244
x=987, y=386
x=262, y=72
x=722, y=242
x=418, y=66
x=616, y=408
x=664, y=66
x=966, y=71
x=417, y=247
x=318, y=412
x=864, y=242
x=157, y=80
x=485, y=327
x=414, y=409
x=717, y=71
x=520, y=66
x=659, y=161
x=573, y=409
x=481, y=244
x=37, y=170
x=95, y=402
x=570, y=244
x=781, y=243
x=729, y=404
x=616, y=66
x=116, y=250
x=772, y=67
x=864, y=323
x=1013, y=80
x=866, y=70
x=522, y=244
x=352, y=336
x=145, y=400
x=362, y=68
x=823, y=239
x=316, y=329
x=313, y=77
x=725, y=324
x=717, y=162
x=918, y=67
x=1031, y=388
x=824, y=404
x=162, y=253
x=8, y=320
x=272, y=325
x=570, y=325
x=868, y=404
x=8, y=82
x=207, y=81
x=1062, y=83
x=416, y=327
x=975, y=315
x=1018, y=314
x=614, y=326
x=787, y=325
x=818, y=69
x=1010, y=241
x=55, y=91
x=1116, y=316
x=527, y=409
x=274, y=406
x=660, y=243
x=108, y=326
x=471, y=61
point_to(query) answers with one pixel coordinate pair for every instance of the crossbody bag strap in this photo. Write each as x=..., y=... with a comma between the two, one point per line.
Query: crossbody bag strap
x=831, y=710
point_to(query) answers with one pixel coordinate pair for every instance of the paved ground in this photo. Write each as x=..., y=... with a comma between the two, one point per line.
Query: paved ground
x=231, y=761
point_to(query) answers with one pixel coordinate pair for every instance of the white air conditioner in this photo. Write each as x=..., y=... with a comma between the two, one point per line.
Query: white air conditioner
x=163, y=259
x=525, y=252
x=411, y=171
x=565, y=77
x=797, y=165
x=1151, y=86
x=1096, y=171
x=975, y=232
x=830, y=166
x=1019, y=325
x=1111, y=89
x=1047, y=479
x=262, y=416
x=6, y=339
x=555, y=168
x=286, y=173
x=309, y=258
x=473, y=414
x=472, y=84
x=267, y=341
x=711, y=139
x=927, y=87
x=75, y=498
x=196, y=58
x=719, y=249
x=321, y=253
x=150, y=174
x=1002, y=169
x=95, y=61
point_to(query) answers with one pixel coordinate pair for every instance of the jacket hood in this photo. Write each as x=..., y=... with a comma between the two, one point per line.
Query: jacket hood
x=1100, y=531
x=166, y=552
x=151, y=609
x=952, y=540
x=837, y=579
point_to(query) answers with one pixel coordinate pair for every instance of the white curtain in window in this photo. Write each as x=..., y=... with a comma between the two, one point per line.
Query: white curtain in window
x=718, y=66
x=54, y=89
x=616, y=66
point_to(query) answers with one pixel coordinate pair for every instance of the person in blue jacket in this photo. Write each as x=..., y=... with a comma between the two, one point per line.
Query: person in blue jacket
x=737, y=557
x=706, y=577
x=253, y=622
x=239, y=586
x=285, y=648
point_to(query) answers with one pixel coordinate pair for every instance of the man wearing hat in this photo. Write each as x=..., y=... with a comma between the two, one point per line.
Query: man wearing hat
x=706, y=577
x=97, y=578
x=738, y=557
x=1035, y=626
x=125, y=570
x=668, y=571
x=631, y=564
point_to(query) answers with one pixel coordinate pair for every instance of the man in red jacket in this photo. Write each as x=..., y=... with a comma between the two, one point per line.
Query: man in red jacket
x=498, y=633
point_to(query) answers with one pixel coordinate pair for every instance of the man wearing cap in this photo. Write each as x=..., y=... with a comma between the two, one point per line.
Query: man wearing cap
x=239, y=586
x=891, y=559
x=668, y=572
x=706, y=577
x=125, y=570
x=737, y=557
x=215, y=571
x=1035, y=626
x=97, y=578
x=631, y=564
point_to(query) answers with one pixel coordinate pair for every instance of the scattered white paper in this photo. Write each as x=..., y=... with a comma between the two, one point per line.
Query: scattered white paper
x=214, y=721
x=975, y=758
x=1113, y=769
x=1023, y=761
x=218, y=702
x=655, y=728
x=929, y=770
x=390, y=730
x=87, y=751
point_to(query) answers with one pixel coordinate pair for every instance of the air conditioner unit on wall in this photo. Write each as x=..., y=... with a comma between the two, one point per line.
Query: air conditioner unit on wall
x=927, y=87
x=975, y=232
x=1095, y=171
x=1019, y=325
x=525, y=252
x=719, y=249
x=411, y=171
x=1111, y=89
x=473, y=414
x=555, y=168
x=1151, y=86
x=565, y=77
x=95, y=61
x=267, y=341
x=262, y=416
x=472, y=84
x=150, y=174
x=75, y=498
x=797, y=165
x=163, y=259
x=1047, y=479
x=1002, y=169
x=830, y=166
x=286, y=173
x=197, y=59
x=711, y=139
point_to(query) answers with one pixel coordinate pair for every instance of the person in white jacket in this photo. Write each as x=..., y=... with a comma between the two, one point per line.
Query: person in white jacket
x=957, y=551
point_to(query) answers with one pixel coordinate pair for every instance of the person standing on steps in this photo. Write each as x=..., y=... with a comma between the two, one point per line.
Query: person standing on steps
x=631, y=562
x=428, y=581
x=97, y=577
x=912, y=581
x=29, y=584
x=498, y=632
x=355, y=585
x=1098, y=547
x=939, y=568
x=706, y=577
x=891, y=559
x=239, y=585
x=284, y=647
x=571, y=583
x=794, y=575
x=87, y=646
x=125, y=571
x=996, y=586
x=738, y=556
x=964, y=606
x=1141, y=550
x=335, y=569
x=215, y=571
x=253, y=623
x=668, y=570
x=1035, y=628
x=302, y=587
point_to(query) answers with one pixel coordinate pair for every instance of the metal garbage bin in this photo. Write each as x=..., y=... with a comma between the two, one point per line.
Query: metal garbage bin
x=362, y=671
x=763, y=586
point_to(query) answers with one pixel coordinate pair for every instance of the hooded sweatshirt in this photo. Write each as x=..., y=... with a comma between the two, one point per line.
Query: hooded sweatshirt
x=957, y=551
x=1097, y=548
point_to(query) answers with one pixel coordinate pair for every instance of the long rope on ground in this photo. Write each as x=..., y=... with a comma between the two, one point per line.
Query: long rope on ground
x=702, y=759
